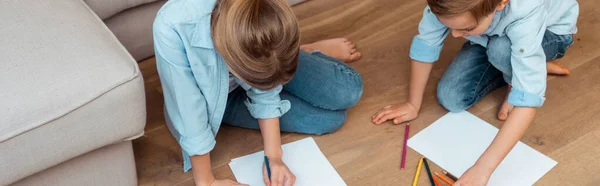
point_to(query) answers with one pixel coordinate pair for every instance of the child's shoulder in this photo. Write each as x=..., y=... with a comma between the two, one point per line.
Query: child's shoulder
x=185, y=10
x=520, y=8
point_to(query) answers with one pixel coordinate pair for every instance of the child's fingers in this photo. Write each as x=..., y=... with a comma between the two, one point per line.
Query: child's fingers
x=401, y=119
x=266, y=176
x=279, y=180
x=388, y=116
x=381, y=114
x=505, y=109
x=378, y=112
x=290, y=180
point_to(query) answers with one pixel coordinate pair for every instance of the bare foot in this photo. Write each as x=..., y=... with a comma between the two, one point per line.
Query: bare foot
x=339, y=48
x=506, y=108
x=554, y=68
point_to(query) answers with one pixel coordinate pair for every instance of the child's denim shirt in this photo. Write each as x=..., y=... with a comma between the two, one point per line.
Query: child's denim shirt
x=195, y=78
x=524, y=22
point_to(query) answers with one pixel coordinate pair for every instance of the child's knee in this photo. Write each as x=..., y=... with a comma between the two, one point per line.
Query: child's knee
x=332, y=123
x=353, y=94
x=346, y=95
x=451, y=98
x=452, y=105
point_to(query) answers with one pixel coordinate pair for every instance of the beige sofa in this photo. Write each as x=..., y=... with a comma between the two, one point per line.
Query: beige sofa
x=130, y=21
x=72, y=95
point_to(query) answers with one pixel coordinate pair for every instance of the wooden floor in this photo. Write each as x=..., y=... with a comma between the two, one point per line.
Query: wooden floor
x=567, y=128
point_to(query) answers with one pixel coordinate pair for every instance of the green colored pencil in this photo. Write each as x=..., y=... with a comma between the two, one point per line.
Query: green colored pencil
x=428, y=172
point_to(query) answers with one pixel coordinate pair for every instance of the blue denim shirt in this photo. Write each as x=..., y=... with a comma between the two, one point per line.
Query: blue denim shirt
x=524, y=22
x=195, y=78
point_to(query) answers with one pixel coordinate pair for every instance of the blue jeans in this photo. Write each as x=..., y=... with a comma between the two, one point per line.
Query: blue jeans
x=320, y=92
x=477, y=70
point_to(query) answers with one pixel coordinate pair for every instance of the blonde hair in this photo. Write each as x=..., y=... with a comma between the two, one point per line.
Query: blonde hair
x=258, y=39
x=478, y=8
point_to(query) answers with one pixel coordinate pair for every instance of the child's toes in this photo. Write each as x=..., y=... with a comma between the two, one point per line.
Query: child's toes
x=353, y=50
x=557, y=69
x=355, y=56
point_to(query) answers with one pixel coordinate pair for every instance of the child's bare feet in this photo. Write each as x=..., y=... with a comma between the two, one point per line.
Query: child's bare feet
x=339, y=48
x=506, y=107
x=554, y=68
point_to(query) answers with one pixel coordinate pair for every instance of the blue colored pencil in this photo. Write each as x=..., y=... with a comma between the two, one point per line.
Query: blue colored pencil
x=268, y=167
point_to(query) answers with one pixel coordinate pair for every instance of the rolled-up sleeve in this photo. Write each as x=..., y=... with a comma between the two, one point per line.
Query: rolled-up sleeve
x=264, y=104
x=427, y=46
x=184, y=102
x=528, y=60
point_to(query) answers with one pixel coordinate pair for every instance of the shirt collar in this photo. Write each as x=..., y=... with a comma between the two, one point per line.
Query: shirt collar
x=497, y=17
x=201, y=34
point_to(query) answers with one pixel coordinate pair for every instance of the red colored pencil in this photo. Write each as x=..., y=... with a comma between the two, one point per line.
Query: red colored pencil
x=404, y=148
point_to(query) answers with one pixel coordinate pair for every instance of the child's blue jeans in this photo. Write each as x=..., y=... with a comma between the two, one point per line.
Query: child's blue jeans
x=320, y=92
x=477, y=70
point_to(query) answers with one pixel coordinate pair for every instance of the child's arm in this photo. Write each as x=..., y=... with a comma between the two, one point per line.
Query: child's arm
x=267, y=107
x=513, y=129
x=419, y=74
x=424, y=50
x=203, y=175
x=270, y=131
x=201, y=168
x=272, y=140
x=269, y=128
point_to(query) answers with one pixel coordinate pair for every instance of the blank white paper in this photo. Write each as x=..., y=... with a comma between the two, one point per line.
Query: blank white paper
x=303, y=158
x=455, y=142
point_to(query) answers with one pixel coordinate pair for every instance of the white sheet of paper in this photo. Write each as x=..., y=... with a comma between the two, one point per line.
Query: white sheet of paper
x=303, y=158
x=455, y=142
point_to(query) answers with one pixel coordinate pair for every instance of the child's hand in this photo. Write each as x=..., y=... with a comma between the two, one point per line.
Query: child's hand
x=474, y=177
x=280, y=174
x=226, y=183
x=399, y=113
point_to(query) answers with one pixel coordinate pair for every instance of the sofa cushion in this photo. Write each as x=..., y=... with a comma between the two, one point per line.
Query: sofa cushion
x=68, y=86
x=107, y=8
x=112, y=165
x=133, y=27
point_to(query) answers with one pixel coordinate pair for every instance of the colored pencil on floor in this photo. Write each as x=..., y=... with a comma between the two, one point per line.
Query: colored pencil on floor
x=452, y=177
x=437, y=182
x=416, y=180
x=428, y=171
x=406, y=128
x=443, y=178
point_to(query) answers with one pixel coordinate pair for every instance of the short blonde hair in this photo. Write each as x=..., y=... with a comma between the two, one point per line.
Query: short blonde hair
x=259, y=40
